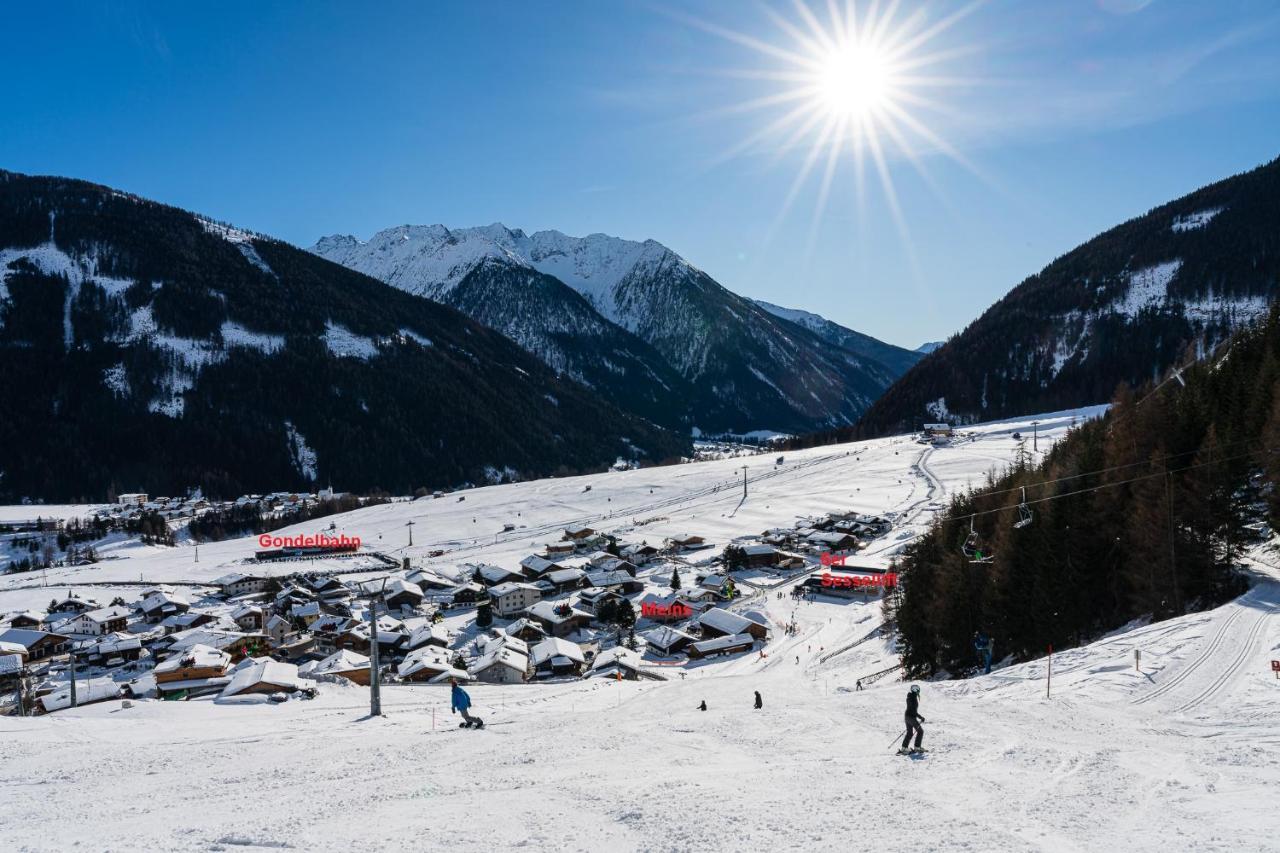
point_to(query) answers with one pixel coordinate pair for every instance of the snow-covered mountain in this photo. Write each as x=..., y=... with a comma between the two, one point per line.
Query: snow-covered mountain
x=929, y=346
x=745, y=367
x=1123, y=307
x=897, y=359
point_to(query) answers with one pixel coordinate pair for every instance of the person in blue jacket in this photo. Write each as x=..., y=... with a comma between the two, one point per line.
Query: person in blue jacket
x=982, y=645
x=460, y=703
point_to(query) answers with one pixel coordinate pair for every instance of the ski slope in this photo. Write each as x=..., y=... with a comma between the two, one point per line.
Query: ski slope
x=1179, y=756
x=893, y=475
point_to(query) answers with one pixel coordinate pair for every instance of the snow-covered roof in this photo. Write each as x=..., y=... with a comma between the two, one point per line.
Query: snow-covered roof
x=488, y=643
x=254, y=671
x=508, y=588
x=106, y=614
x=547, y=610
x=759, y=550
x=403, y=587
x=727, y=641
x=10, y=664
x=619, y=656
x=25, y=637
x=523, y=624
x=664, y=636
x=432, y=658
x=534, y=563
x=501, y=656
x=559, y=576
x=725, y=622
x=197, y=656
x=343, y=660
x=556, y=647
x=426, y=633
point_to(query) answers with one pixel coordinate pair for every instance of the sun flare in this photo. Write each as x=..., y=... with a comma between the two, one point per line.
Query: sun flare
x=854, y=80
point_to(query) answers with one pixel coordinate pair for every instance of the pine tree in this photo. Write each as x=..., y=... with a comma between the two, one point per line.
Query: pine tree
x=484, y=616
x=675, y=578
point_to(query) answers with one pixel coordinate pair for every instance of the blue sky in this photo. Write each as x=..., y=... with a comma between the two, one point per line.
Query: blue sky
x=1049, y=122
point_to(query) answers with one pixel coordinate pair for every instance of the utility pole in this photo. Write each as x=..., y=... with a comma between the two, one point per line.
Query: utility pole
x=1035, y=436
x=1173, y=553
x=375, y=679
x=410, y=526
x=71, y=658
x=197, y=552
x=744, y=482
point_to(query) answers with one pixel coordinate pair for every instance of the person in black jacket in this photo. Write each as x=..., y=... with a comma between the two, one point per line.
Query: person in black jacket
x=913, y=718
x=759, y=701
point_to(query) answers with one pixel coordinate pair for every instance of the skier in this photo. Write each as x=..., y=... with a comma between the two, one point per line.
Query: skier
x=982, y=645
x=460, y=703
x=703, y=706
x=759, y=701
x=858, y=686
x=913, y=720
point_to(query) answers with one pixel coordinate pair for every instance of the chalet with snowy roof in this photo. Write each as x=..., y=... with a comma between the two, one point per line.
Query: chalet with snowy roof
x=615, y=580
x=14, y=649
x=555, y=656
x=88, y=691
x=729, y=644
x=833, y=541
x=429, y=582
x=667, y=640
x=262, y=675
x=486, y=643
x=526, y=630
x=535, y=566
x=565, y=580
x=12, y=668
x=672, y=607
x=72, y=603
x=198, y=670
x=687, y=542
x=95, y=623
x=719, y=622
x=38, y=644
x=400, y=594
x=491, y=575
x=592, y=597
x=113, y=650
x=469, y=593
x=501, y=665
x=512, y=599
x=717, y=584
x=559, y=619
x=579, y=533
x=638, y=555
x=559, y=549
x=30, y=619
x=430, y=663
x=619, y=661
x=160, y=603
x=428, y=635
x=248, y=616
x=235, y=583
x=183, y=621
x=344, y=664
x=759, y=556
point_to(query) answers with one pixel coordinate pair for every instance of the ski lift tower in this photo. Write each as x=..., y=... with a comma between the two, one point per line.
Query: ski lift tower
x=1035, y=435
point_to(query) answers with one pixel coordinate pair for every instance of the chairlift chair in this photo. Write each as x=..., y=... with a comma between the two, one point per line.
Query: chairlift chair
x=972, y=547
x=1025, y=515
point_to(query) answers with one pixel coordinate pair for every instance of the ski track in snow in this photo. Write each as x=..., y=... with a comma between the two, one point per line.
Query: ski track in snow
x=1178, y=756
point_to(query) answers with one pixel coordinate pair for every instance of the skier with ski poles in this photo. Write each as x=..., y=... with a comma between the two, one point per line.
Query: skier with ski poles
x=913, y=721
x=460, y=702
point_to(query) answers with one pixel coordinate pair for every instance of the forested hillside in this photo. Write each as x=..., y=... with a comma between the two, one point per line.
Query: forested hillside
x=1120, y=308
x=143, y=348
x=1140, y=513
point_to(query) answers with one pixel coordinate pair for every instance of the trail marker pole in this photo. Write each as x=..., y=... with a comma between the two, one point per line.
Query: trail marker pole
x=1137, y=660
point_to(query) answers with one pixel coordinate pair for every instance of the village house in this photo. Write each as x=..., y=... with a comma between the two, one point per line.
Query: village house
x=492, y=576
x=234, y=584
x=95, y=623
x=666, y=640
x=559, y=619
x=616, y=580
x=559, y=549
x=619, y=661
x=429, y=663
x=719, y=585
x=26, y=619
x=429, y=582
x=718, y=622
x=88, y=691
x=512, y=599
x=428, y=635
x=534, y=567
x=38, y=644
x=526, y=630
x=199, y=669
x=72, y=604
x=578, y=534
x=248, y=617
x=262, y=675
x=183, y=621
x=345, y=664
x=501, y=665
x=688, y=542
x=592, y=597
x=555, y=656
x=759, y=556
x=564, y=580
x=832, y=541
x=728, y=644
x=638, y=555
x=400, y=594
x=113, y=650
x=160, y=603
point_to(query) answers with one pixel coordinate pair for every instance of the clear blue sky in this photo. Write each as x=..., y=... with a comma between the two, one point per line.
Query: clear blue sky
x=305, y=119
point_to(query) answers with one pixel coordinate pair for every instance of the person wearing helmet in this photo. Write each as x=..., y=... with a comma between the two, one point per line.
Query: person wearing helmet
x=913, y=720
x=459, y=704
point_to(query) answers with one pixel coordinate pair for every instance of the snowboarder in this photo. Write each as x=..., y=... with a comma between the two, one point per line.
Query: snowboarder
x=460, y=702
x=913, y=721
x=858, y=686
x=703, y=706
x=759, y=701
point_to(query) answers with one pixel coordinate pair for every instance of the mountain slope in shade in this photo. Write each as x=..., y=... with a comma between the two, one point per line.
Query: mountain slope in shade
x=746, y=368
x=896, y=359
x=145, y=348
x=1123, y=307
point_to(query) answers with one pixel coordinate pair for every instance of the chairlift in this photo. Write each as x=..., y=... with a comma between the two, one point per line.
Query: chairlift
x=972, y=547
x=1025, y=515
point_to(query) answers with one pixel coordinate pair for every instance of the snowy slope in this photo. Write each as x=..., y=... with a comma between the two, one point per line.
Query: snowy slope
x=896, y=359
x=1175, y=756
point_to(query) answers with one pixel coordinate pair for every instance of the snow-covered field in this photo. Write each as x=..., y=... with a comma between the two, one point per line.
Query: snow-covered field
x=1181, y=755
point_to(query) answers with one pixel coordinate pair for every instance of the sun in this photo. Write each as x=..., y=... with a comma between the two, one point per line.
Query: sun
x=853, y=81
x=850, y=81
